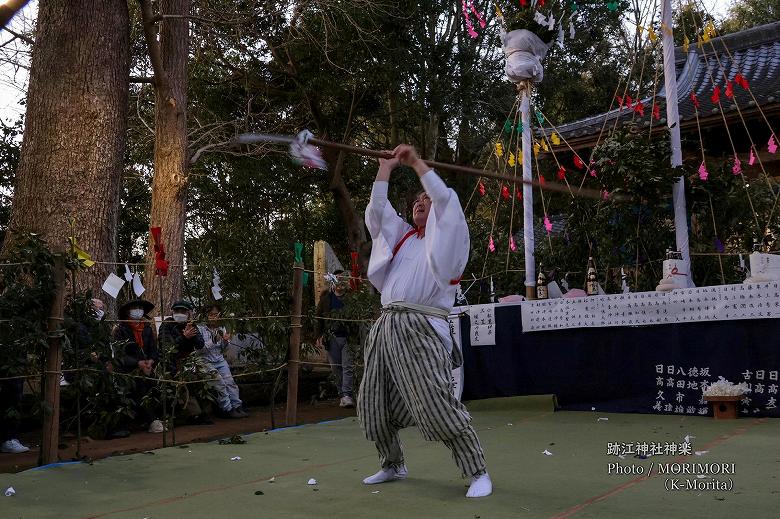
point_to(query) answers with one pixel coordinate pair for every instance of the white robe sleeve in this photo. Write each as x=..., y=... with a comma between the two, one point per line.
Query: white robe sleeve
x=447, y=242
x=386, y=229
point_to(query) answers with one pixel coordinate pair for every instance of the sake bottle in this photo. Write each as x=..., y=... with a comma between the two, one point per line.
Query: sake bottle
x=591, y=282
x=541, y=284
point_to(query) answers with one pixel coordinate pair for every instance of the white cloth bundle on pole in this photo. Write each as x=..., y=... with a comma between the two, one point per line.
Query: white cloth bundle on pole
x=524, y=52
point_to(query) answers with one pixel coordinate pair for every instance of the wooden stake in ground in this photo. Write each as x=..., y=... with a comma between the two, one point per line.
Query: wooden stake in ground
x=51, y=414
x=293, y=362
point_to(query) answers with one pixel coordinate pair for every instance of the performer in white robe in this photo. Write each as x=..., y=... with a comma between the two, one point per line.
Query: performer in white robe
x=410, y=354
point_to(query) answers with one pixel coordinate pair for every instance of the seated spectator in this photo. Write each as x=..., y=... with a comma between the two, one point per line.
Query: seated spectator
x=181, y=335
x=92, y=338
x=138, y=350
x=216, y=340
x=181, y=332
x=92, y=341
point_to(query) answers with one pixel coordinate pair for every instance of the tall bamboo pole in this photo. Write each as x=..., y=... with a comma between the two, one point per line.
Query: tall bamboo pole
x=673, y=122
x=524, y=90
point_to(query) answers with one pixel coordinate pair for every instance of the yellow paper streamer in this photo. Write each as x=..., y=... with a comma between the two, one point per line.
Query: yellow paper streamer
x=511, y=159
x=709, y=30
x=544, y=146
x=82, y=255
x=555, y=139
x=536, y=148
x=686, y=44
x=651, y=33
x=499, y=149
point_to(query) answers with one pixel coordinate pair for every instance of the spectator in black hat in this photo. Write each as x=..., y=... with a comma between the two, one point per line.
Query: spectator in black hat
x=137, y=349
x=181, y=332
x=179, y=336
x=136, y=334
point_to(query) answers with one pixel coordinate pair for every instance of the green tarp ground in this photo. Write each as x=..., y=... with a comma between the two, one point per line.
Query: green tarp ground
x=201, y=481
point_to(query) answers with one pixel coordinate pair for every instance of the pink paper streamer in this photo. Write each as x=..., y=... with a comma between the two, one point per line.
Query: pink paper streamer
x=469, y=25
x=547, y=224
x=703, y=173
x=737, y=168
x=491, y=245
x=512, y=243
x=752, y=159
x=772, y=145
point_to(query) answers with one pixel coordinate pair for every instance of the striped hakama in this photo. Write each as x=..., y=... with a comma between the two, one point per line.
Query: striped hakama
x=408, y=381
x=408, y=365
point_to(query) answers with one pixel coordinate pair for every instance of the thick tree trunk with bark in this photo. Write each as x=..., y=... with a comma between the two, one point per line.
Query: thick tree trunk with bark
x=169, y=187
x=74, y=138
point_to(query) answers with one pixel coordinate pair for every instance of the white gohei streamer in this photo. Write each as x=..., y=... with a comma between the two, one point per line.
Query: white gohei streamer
x=138, y=287
x=216, y=289
x=113, y=284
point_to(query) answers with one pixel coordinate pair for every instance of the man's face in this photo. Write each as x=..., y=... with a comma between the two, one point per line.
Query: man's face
x=213, y=315
x=340, y=288
x=420, y=210
x=97, y=304
x=187, y=313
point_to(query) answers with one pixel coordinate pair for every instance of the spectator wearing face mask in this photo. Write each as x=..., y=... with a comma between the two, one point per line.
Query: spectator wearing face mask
x=137, y=350
x=91, y=338
x=179, y=335
x=93, y=343
x=95, y=336
x=181, y=332
x=136, y=334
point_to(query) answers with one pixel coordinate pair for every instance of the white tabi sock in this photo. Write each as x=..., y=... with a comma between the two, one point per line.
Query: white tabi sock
x=385, y=475
x=481, y=486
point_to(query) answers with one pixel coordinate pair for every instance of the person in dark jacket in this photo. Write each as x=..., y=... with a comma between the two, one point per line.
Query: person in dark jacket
x=137, y=349
x=180, y=337
x=138, y=345
x=181, y=332
x=332, y=335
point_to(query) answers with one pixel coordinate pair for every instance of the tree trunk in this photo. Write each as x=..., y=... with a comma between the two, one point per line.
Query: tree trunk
x=169, y=187
x=353, y=221
x=74, y=137
x=431, y=136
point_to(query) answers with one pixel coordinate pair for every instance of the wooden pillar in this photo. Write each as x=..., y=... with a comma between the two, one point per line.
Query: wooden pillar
x=293, y=362
x=51, y=413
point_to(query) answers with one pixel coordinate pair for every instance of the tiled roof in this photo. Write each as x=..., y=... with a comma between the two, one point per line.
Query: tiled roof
x=558, y=221
x=755, y=53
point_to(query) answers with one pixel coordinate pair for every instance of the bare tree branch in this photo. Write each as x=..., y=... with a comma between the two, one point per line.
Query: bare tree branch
x=134, y=79
x=155, y=55
x=26, y=39
x=199, y=152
